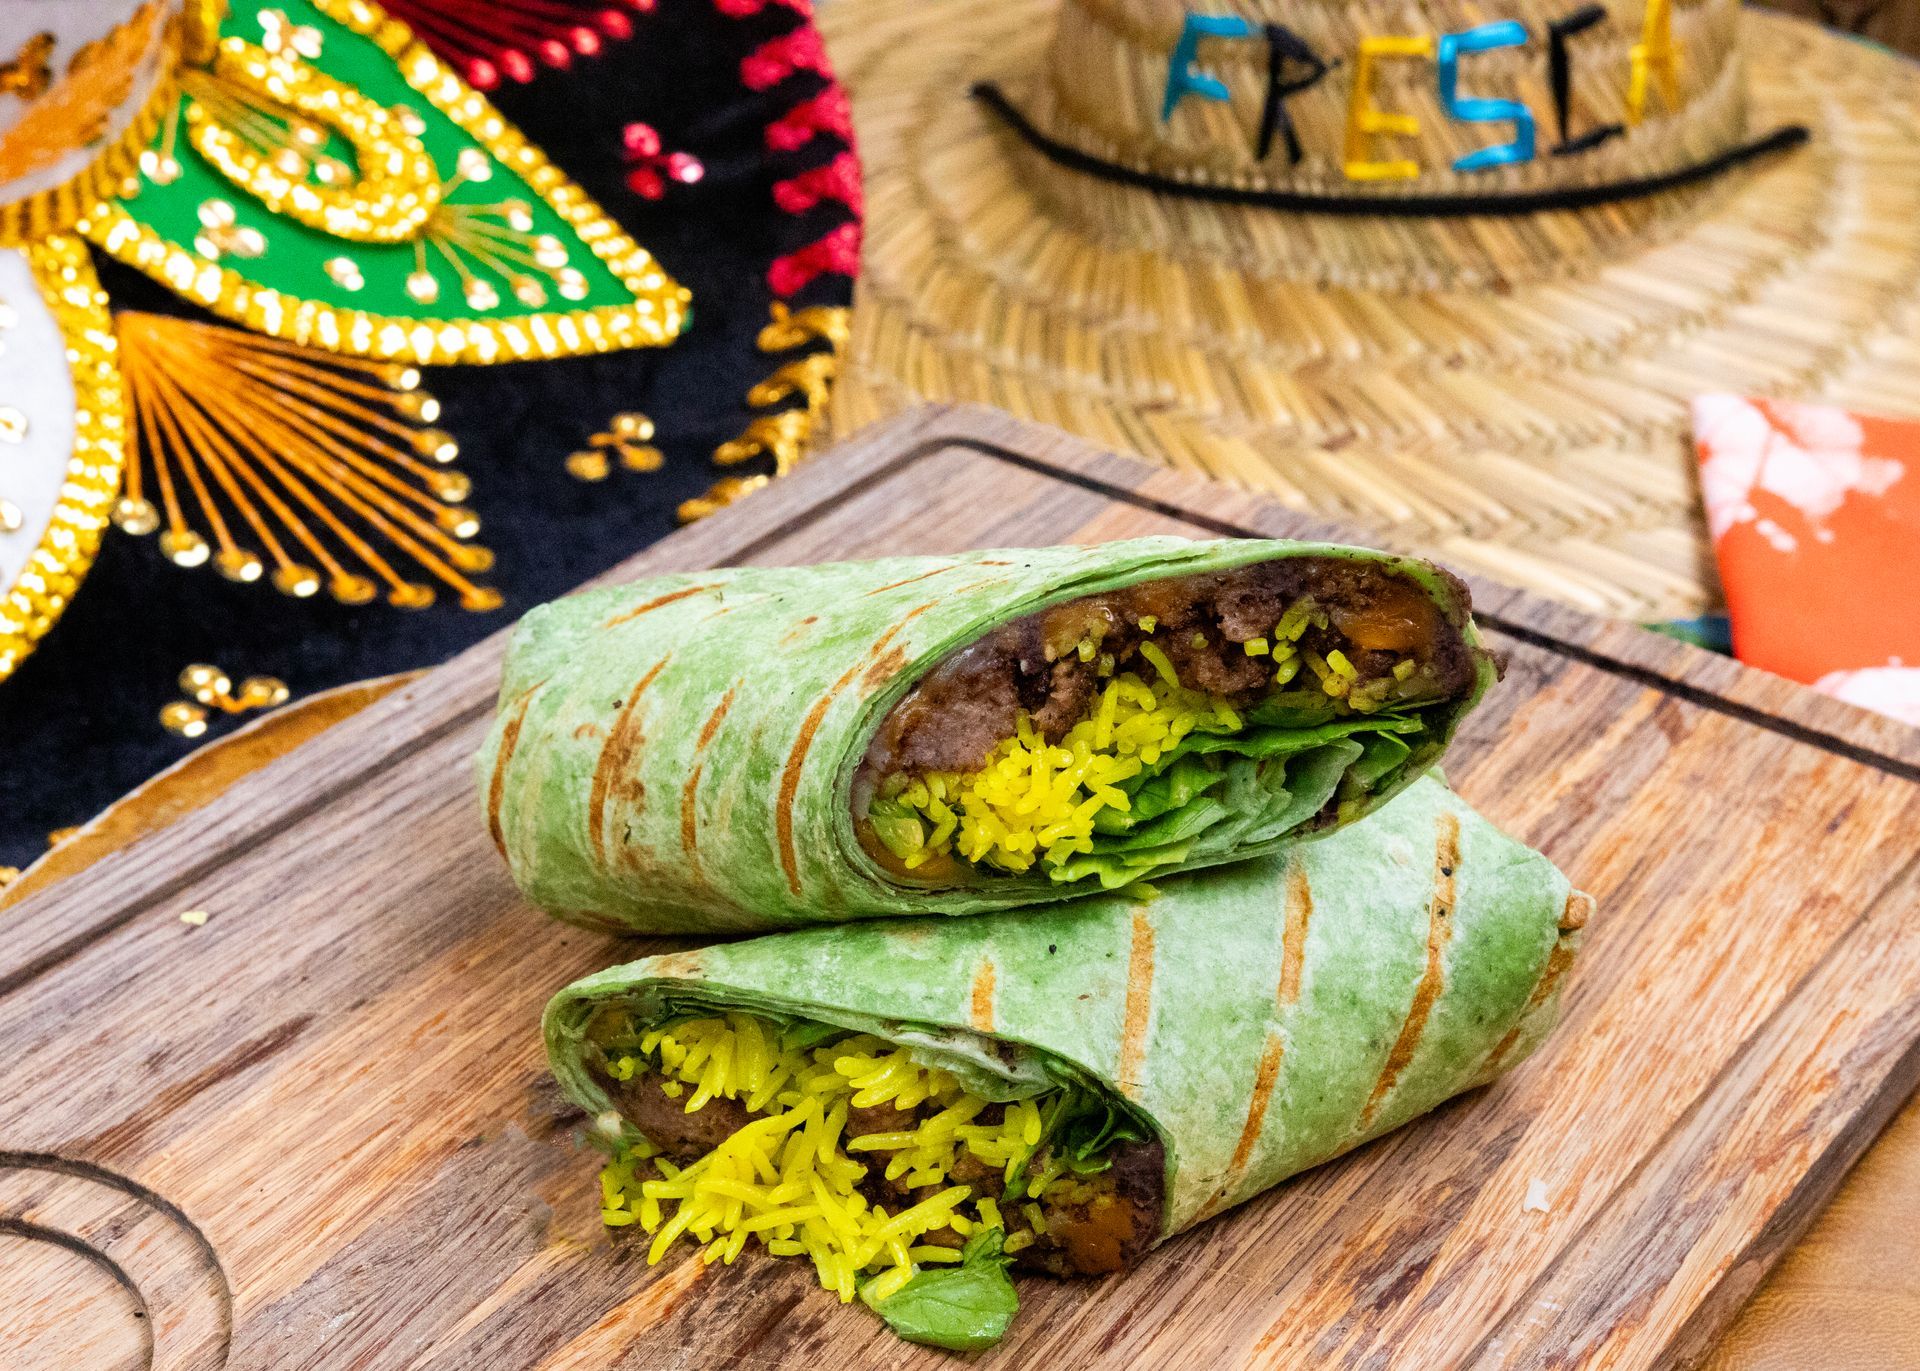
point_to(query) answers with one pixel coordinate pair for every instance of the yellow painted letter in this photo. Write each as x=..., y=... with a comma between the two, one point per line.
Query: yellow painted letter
x=1364, y=121
x=1655, y=56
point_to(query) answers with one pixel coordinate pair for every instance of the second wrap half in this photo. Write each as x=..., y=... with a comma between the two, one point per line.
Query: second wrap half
x=1260, y=1018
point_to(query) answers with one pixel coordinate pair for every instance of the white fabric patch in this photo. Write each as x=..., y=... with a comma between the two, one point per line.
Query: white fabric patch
x=35, y=381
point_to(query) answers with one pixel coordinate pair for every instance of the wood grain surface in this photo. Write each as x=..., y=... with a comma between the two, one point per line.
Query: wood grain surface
x=316, y=1131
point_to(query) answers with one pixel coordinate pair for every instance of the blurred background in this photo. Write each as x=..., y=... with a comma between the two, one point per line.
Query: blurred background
x=1893, y=22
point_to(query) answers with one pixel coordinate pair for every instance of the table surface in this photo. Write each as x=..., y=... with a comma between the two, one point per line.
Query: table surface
x=1679, y=692
x=1846, y=1297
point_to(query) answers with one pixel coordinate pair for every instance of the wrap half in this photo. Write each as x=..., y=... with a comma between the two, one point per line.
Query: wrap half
x=760, y=748
x=1143, y=1066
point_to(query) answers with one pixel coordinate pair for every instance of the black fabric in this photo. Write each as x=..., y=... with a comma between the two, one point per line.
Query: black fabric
x=79, y=721
x=1387, y=206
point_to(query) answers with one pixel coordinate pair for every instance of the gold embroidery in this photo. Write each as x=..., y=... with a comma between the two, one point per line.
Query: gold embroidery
x=790, y=329
x=29, y=73
x=221, y=236
x=264, y=121
x=780, y=436
x=654, y=317
x=628, y=436
x=783, y=436
x=58, y=119
x=324, y=463
x=208, y=687
x=280, y=35
x=720, y=494
x=498, y=237
x=69, y=114
x=13, y=430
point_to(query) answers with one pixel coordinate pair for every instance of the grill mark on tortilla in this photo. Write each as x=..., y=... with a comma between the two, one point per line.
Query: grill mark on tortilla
x=883, y=670
x=980, y=1006
x=1446, y=859
x=1293, y=941
x=1133, y=1029
x=626, y=615
x=689, y=794
x=799, y=628
x=1265, y=1077
x=687, y=966
x=972, y=586
x=1572, y=918
x=497, y=783
x=622, y=738
x=937, y=571
x=790, y=774
x=712, y=725
x=790, y=779
x=881, y=643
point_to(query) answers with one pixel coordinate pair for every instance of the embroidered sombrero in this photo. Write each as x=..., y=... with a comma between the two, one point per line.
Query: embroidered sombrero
x=1450, y=270
x=334, y=334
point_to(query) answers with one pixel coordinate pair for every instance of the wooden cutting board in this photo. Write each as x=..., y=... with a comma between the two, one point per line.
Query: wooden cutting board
x=316, y=1131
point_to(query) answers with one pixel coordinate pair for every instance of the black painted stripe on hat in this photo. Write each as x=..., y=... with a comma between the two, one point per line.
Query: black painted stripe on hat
x=1389, y=206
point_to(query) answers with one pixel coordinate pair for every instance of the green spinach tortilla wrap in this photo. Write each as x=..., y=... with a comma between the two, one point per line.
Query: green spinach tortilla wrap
x=760, y=748
x=914, y=1104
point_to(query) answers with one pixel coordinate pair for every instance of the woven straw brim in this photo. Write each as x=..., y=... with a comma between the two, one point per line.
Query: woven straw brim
x=1508, y=394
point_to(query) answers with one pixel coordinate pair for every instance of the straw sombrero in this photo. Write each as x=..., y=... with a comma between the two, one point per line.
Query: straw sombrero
x=1273, y=246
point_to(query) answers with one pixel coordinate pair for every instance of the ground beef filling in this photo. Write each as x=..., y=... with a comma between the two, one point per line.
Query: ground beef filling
x=1093, y=1225
x=955, y=717
x=681, y=1137
x=1238, y=636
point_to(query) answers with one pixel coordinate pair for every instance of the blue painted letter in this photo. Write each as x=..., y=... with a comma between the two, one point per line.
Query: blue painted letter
x=1183, y=78
x=1509, y=33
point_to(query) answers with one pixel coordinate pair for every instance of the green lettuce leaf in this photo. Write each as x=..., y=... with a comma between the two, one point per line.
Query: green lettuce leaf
x=1176, y=825
x=963, y=1308
x=1185, y=780
x=1381, y=755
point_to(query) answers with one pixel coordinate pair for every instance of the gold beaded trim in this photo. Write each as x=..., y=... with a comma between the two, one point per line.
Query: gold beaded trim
x=55, y=568
x=782, y=436
x=655, y=316
x=396, y=187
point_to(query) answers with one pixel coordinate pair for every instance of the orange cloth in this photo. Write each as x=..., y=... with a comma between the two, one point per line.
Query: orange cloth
x=1815, y=514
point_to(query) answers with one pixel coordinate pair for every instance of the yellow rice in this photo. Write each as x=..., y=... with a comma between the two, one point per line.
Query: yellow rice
x=787, y=1180
x=1035, y=800
x=1038, y=802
